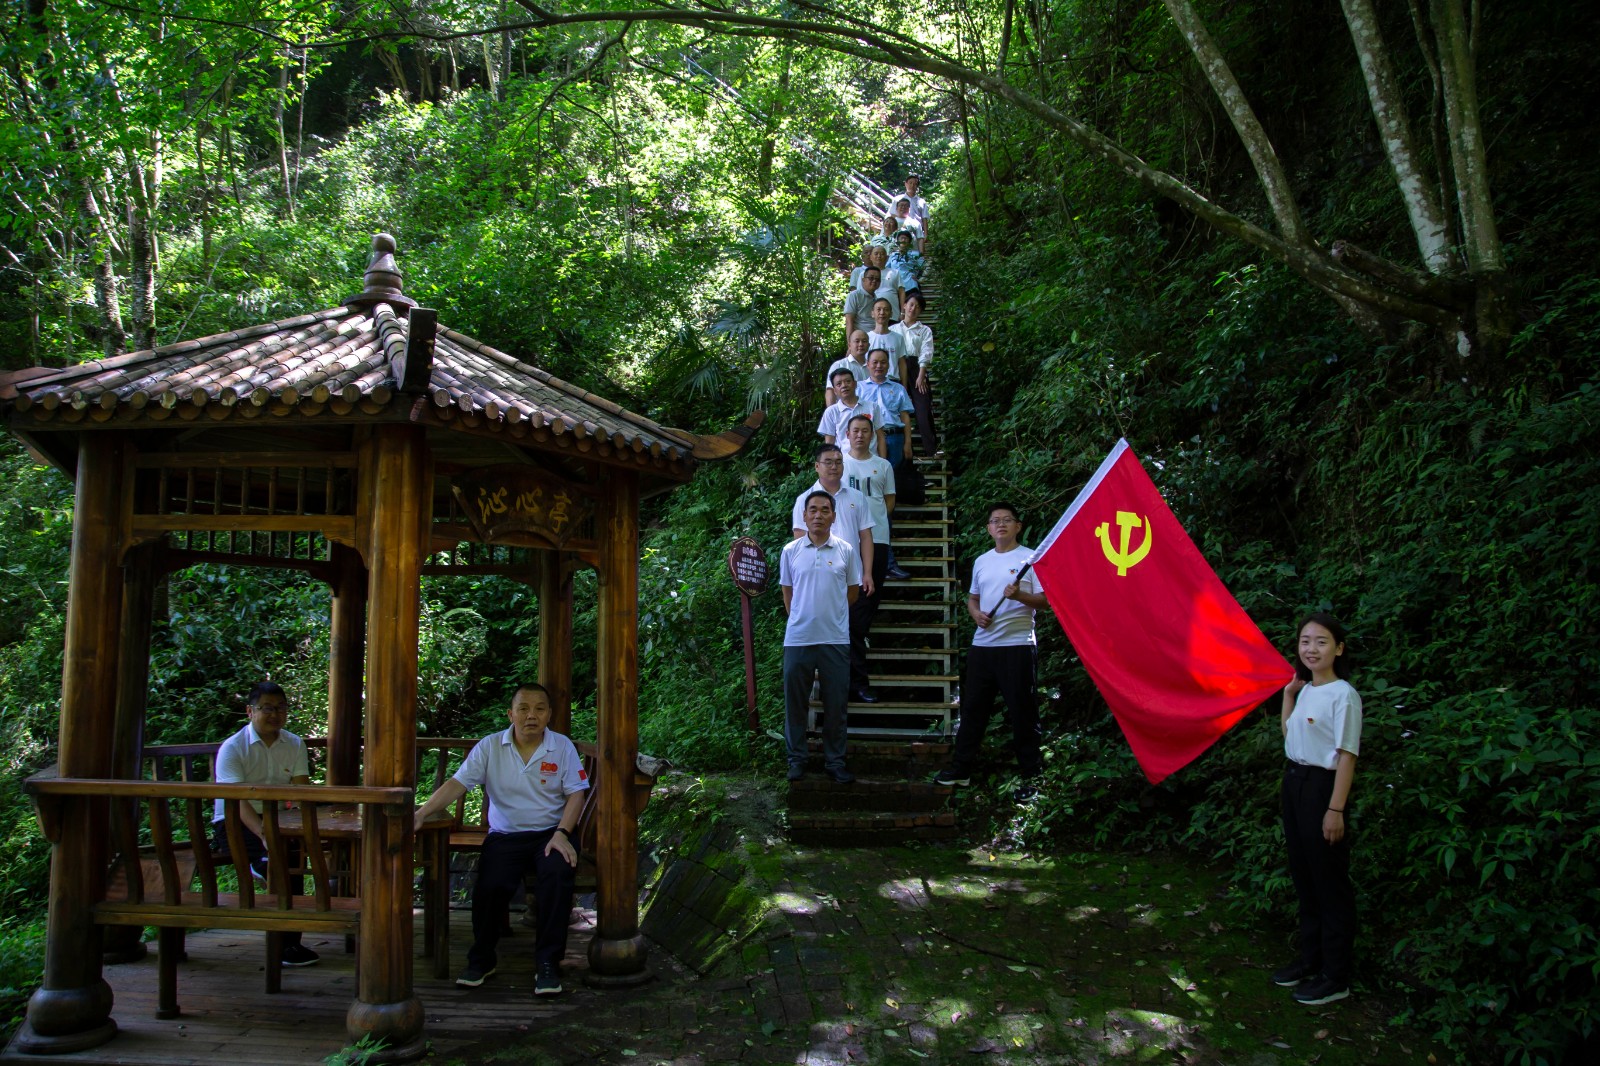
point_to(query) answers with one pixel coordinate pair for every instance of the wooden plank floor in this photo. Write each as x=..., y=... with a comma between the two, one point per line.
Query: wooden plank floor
x=229, y=1018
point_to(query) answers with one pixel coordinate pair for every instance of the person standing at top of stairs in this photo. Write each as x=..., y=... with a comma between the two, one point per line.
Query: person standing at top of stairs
x=1003, y=654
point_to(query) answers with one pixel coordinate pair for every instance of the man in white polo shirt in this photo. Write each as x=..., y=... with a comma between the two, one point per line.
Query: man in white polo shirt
x=821, y=577
x=534, y=781
x=852, y=523
x=263, y=753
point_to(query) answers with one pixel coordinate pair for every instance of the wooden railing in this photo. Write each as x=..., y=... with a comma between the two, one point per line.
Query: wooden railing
x=172, y=883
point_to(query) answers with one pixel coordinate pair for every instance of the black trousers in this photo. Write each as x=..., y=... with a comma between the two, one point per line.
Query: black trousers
x=862, y=612
x=505, y=859
x=255, y=850
x=1009, y=672
x=1321, y=872
x=922, y=403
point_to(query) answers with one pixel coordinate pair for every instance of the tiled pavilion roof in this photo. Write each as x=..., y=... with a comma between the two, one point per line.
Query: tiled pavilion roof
x=350, y=361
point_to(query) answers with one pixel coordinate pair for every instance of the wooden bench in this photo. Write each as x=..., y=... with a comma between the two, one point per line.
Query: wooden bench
x=156, y=884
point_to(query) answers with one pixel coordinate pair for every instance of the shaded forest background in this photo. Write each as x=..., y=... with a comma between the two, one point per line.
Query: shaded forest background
x=591, y=202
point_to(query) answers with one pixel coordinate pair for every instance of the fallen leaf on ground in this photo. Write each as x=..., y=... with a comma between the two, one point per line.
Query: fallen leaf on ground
x=1320, y=1034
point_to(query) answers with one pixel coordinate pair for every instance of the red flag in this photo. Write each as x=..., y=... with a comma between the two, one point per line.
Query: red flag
x=1170, y=649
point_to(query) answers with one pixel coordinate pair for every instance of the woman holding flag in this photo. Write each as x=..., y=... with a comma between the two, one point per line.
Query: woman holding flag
x=1321, y=737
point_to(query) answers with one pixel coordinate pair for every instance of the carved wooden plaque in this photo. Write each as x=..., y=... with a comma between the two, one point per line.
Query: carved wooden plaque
x=501, y=500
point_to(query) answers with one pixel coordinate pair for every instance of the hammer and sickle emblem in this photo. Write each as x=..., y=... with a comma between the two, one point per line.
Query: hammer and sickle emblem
x=1120, y=557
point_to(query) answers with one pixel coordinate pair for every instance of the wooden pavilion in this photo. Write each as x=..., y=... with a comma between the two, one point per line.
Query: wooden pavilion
x=366, y=445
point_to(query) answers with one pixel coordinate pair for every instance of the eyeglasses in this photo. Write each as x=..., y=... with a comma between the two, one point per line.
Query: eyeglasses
x=1002, y=521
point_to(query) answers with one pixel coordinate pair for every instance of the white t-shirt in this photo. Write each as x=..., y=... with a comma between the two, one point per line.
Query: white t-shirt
x=1325, y=721
x=919, y=206
x=910, y=222
x=524, y=797
x=819, y=607
x=836, y=419
x=892, y=342
x=851, y=514
x=847, y=363
x=873, y=477
x=918, y=341
x=1011, y=623
x=245, y=759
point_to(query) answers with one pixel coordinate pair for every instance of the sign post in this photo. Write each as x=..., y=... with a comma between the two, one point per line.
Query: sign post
x=748, y=565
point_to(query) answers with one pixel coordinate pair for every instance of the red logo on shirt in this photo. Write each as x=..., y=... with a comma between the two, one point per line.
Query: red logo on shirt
x=548, y=768
x=582, y=775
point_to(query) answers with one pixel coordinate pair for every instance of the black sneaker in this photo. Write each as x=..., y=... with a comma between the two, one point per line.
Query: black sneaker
x=1292, y=974
x=1024, y=794
x=1320, y=990
x=299, y=955
x=548, y=982
x=952, y=776
x=897, y=573
x=472, y=977
x=841, y=776
x=797, y=771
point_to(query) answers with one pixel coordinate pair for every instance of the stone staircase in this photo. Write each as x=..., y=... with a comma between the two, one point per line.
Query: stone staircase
x=900, y=742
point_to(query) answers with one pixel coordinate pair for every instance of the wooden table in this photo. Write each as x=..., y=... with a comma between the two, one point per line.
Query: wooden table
x=339, y=822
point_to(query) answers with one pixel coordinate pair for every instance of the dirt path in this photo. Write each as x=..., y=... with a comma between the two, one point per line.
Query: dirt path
x=944, y=955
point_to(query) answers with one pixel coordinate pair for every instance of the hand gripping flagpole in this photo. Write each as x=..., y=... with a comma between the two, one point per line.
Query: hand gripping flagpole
x=1020, y=575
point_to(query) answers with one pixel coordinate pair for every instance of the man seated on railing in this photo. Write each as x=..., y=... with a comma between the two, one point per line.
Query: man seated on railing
x=263, y=753
x=535, y=783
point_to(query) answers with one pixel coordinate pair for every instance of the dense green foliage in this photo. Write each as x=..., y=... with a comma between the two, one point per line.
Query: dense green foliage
x=614, y=229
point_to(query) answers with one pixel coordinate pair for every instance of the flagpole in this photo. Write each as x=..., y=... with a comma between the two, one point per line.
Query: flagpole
x=1020, y=575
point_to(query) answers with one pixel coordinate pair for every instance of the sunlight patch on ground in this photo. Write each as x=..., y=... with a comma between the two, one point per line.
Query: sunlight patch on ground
x=796, y=902
x=1144, y=914
x=948, y=1012
x=907, y=892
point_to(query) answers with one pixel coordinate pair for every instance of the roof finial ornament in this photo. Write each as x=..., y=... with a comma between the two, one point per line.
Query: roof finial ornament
x=383, y=278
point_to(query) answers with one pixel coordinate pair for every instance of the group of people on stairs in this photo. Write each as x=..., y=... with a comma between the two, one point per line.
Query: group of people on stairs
x=833, y=572
x=878, y=396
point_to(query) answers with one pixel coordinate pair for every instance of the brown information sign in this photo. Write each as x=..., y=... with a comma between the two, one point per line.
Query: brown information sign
x=519, y=499
x=748, y=565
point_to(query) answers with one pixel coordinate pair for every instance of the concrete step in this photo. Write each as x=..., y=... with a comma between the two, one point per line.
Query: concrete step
x=818, y=793
x=857, y=829
x=891, y=760
x=922, y=654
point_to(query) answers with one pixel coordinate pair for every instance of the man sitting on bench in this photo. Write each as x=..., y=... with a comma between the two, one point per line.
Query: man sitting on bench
x=263, y=753
x=535, y=783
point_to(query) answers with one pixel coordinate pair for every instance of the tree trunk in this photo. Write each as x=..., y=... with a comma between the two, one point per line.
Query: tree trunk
x=282, y=139
x=488, y=66
x=1394, y=129
x=1269, y=169
x=1468, y=155
x=774, y=120
x=205, y=192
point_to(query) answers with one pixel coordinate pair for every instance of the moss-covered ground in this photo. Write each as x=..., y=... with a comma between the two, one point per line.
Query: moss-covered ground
x=956, y=953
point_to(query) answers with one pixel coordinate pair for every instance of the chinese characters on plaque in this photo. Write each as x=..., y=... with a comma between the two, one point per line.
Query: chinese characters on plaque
x=501, y=500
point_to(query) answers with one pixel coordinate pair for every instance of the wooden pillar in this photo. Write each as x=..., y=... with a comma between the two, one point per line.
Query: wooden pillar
x=71, y=1010
x=555, y=637
x=617, y=952
x=141, y=570
x=347, y=650
x=396, y=479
